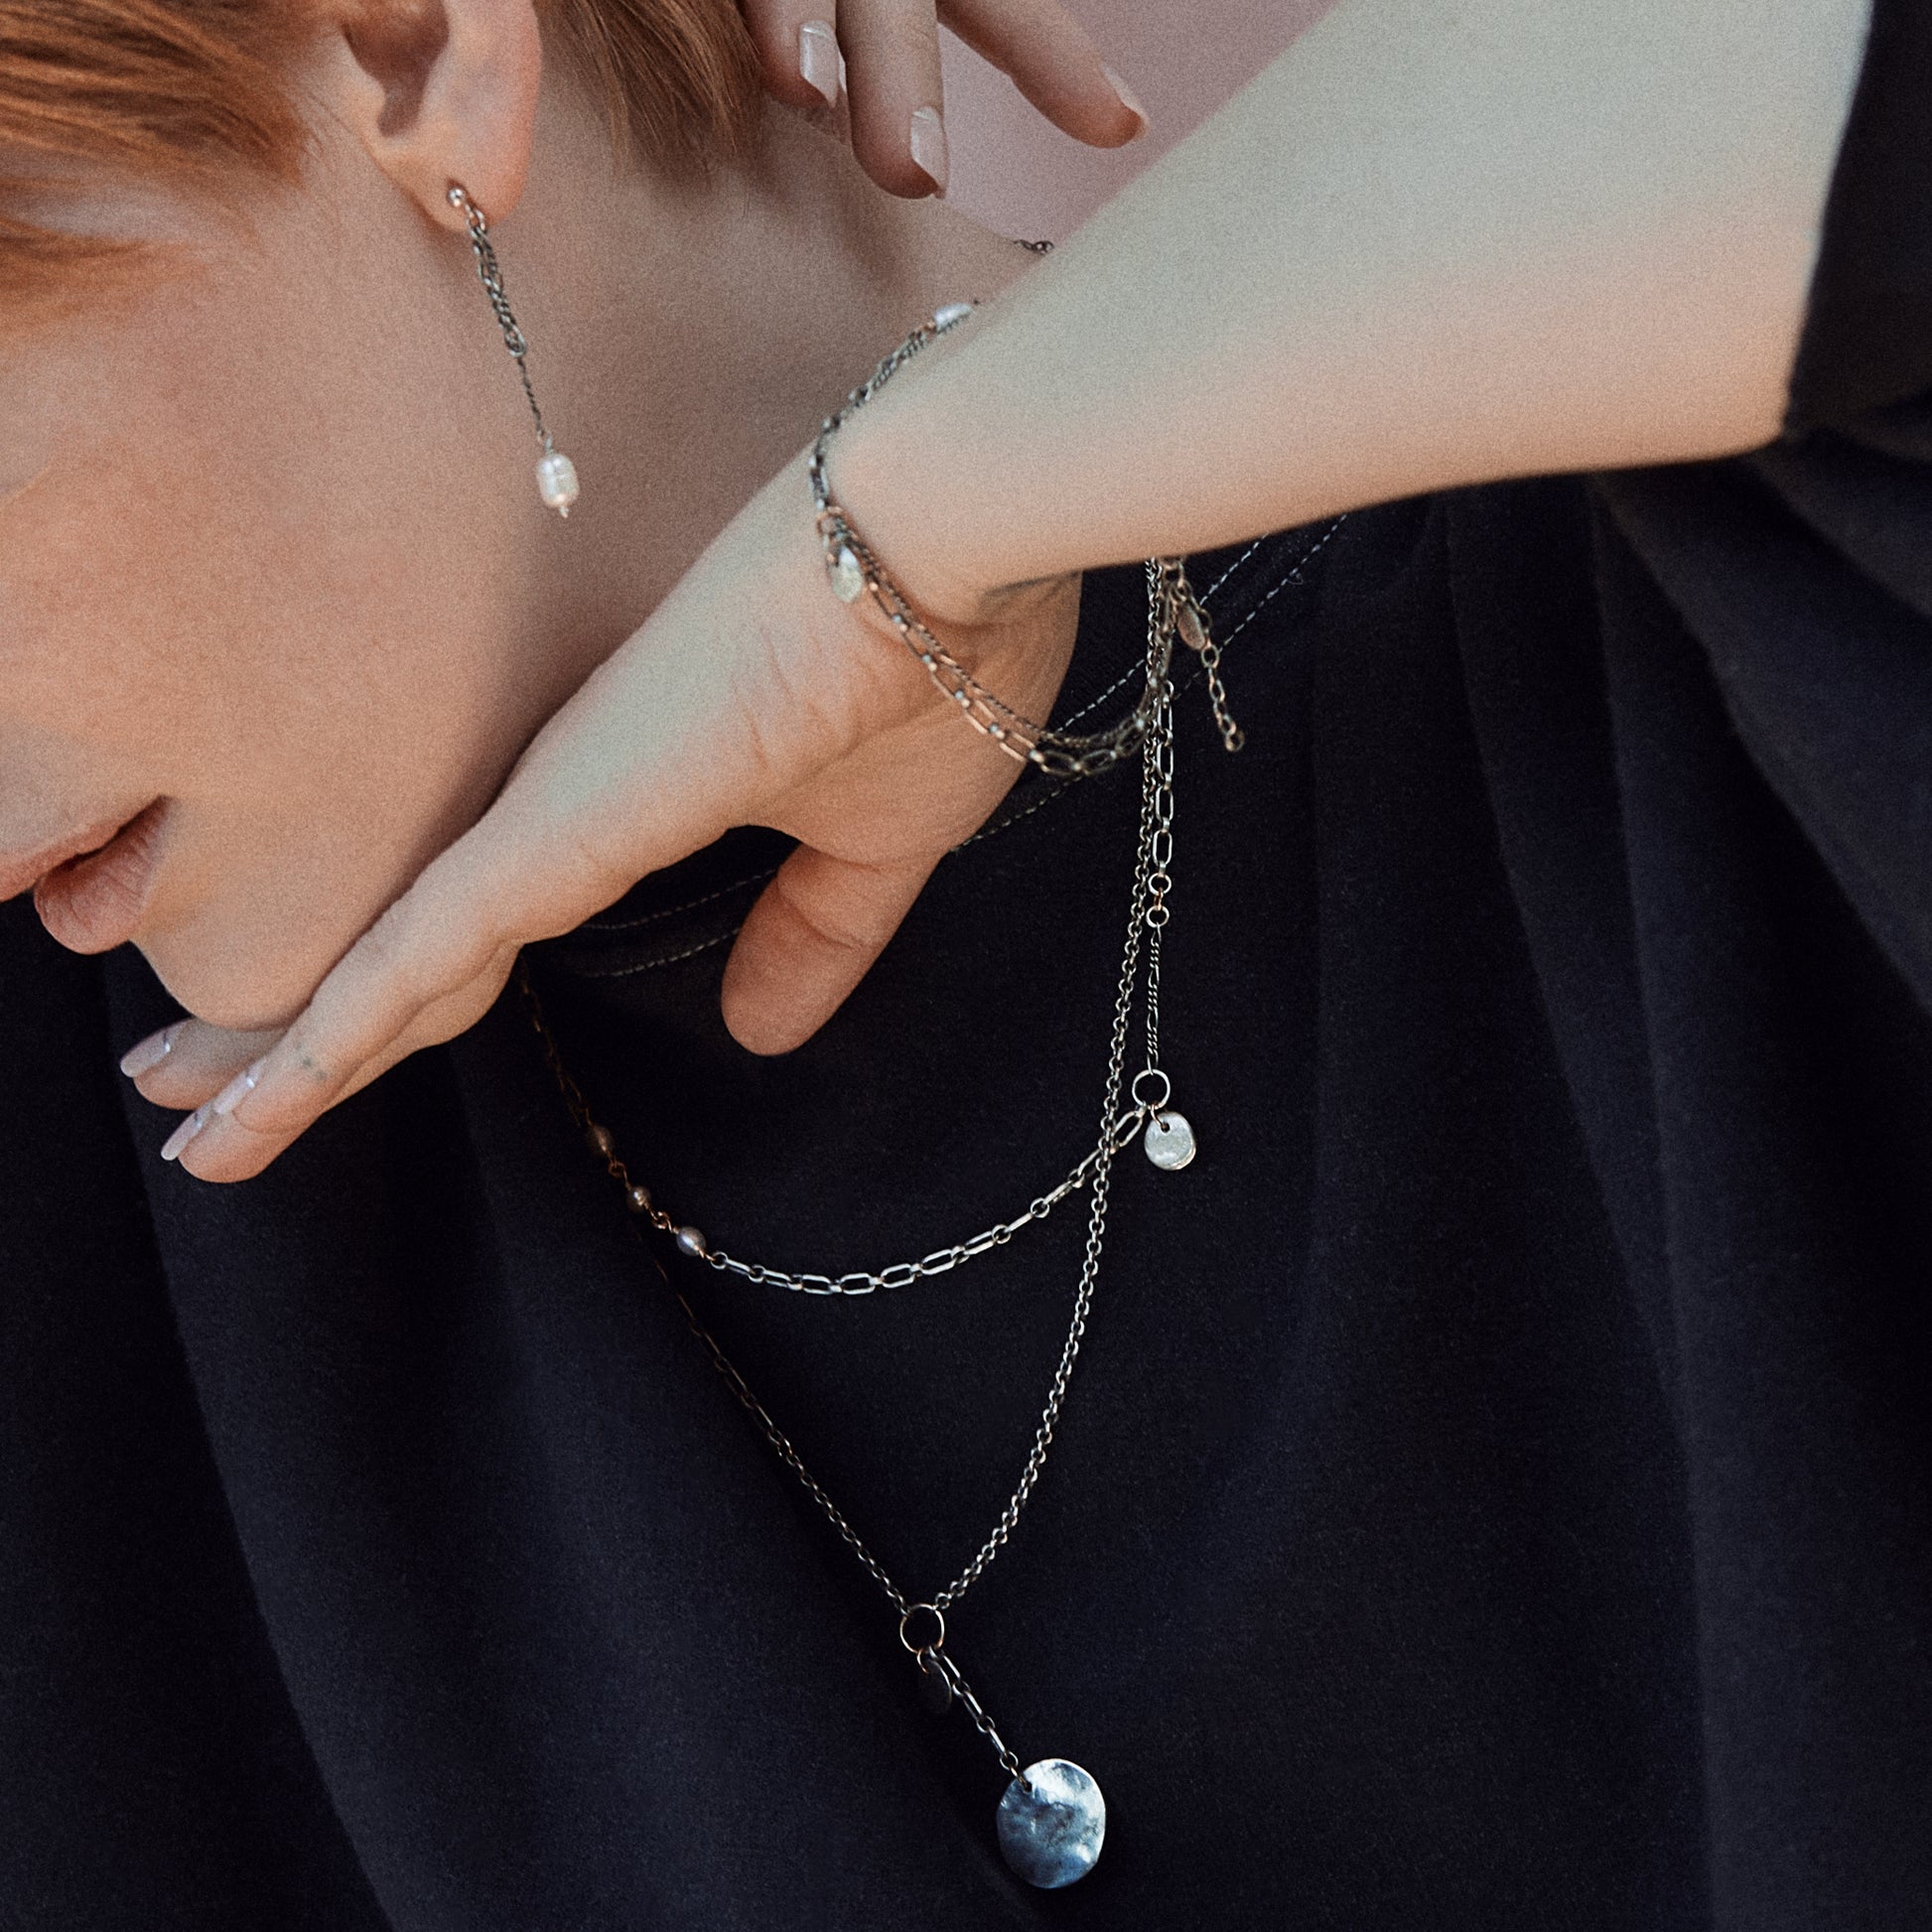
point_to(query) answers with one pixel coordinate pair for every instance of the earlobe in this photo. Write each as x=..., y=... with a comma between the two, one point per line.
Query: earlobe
x=443, y=91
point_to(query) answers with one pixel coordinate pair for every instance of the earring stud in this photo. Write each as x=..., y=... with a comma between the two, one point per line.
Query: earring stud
x=556, y=474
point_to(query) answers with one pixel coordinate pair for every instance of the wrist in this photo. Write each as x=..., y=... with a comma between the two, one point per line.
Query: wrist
x=923, y=511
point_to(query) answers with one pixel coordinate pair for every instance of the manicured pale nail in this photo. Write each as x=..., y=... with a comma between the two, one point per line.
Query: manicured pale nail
x=150, y=1052
x=1129, y=99
x=818, y=58
x=929, y=145
x=171, y=1148
x=230, y=1096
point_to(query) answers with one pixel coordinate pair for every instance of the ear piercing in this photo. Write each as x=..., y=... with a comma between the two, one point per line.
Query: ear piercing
x=556, y=474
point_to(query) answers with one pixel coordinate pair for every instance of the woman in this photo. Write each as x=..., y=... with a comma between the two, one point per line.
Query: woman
x=1450, y=1521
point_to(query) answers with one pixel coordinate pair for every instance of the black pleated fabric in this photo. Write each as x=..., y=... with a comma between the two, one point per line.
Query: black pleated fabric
x=1496, y=1486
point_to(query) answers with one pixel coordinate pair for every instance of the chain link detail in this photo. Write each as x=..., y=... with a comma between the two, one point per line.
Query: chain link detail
x=491, y=277
x=1172, y=609
x=1118, y=1127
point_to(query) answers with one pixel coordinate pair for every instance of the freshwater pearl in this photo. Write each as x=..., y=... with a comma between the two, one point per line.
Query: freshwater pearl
x=1052, y=1835
x=951, y=315
x=557, y=481
x=848, y=575
x=690, y=1241
x=1169, y=1141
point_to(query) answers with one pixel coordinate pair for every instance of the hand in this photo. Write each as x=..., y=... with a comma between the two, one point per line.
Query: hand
x=891, y=54
x=751, y=696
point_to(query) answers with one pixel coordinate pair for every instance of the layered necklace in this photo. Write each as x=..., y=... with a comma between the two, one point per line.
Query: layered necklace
x=1053, y=1818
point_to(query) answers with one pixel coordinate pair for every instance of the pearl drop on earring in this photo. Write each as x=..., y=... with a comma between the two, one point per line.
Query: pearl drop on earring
x=557, y=481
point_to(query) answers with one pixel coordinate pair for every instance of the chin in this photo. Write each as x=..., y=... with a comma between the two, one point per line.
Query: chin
x=239, y=981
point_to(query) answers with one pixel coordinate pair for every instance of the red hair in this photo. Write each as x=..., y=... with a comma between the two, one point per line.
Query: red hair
x=191, y=91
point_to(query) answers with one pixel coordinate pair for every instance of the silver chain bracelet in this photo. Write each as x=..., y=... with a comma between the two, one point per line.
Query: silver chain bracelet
x=1051, y=1821
x=854, y=570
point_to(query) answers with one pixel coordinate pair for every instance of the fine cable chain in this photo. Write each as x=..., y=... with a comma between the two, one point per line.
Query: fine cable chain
x=1149, y=913
x=492, y=276
x=931, y=1658
x=1050, y=1832
x=1118, y=1130
x=855, y=571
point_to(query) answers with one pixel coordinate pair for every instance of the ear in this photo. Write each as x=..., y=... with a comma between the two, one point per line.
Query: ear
x=443, y=91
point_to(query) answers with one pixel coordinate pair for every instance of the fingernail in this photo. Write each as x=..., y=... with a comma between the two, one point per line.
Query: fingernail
x=929, y=146
x=818, y=58
x=186, y=1131
x=1129, y=99
x=230, y=1098
x=150, y=1052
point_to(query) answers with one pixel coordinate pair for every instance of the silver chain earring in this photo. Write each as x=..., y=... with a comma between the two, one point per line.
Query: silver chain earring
x=556, y=474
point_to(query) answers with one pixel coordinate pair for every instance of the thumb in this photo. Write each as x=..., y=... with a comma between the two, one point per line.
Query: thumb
x=809, y=940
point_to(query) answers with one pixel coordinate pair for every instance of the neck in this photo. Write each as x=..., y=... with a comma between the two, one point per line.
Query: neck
x=689, y=337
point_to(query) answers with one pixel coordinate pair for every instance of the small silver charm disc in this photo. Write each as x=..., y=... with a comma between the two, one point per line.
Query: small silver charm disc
x=1169, y=1141
x=1050, y=1835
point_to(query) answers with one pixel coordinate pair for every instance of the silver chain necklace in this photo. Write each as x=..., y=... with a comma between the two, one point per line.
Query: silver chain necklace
x=1167, y=1136
x=1053, y=1818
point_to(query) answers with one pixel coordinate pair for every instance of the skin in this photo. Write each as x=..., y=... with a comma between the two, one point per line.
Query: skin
x=276, y=558
x=892, y=54
x=1506, y=238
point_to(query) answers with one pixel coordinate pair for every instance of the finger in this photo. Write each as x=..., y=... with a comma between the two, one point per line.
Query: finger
x=899, y=126
x=191, y=1061
x=1049, y=58
x=223, y=1149
x=809, y=940
x=494, y=888
x=797, y=44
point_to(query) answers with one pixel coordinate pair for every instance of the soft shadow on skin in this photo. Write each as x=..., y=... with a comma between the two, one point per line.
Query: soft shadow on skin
x=14, y=492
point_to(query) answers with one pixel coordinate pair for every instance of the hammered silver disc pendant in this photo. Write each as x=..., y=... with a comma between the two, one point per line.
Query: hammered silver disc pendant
x=1051, y=1834
x=1169, y=1140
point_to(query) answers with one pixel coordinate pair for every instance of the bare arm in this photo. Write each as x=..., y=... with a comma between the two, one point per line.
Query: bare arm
x=1437, y=243
x=1440, y=241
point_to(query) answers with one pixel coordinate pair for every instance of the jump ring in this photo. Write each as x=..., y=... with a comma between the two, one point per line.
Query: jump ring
x=913, y=1610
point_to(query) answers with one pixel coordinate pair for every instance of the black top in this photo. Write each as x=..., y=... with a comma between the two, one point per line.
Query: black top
x=1494, y=1489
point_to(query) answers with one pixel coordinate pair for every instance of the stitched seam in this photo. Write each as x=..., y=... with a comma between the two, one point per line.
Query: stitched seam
x=986, y=831
x=1233, y=567
x=1294, y=577
x=1259, y=608
x=689, y=905
x=1096, y=702
x=668, y=959
x=1291, y=576
x=1127, y=677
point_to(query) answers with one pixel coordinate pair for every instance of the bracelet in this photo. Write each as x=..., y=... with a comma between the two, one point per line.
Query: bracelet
x=854, y=570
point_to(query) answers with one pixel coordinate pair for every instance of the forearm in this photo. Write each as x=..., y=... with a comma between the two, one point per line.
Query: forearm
x=1437, y=243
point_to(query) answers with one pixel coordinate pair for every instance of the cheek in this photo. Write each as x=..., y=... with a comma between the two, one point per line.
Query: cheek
x=232, y=627
x=309, y=651
x=276, y=574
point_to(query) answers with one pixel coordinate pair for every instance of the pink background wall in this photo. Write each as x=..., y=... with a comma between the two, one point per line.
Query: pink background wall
x=1183, y=57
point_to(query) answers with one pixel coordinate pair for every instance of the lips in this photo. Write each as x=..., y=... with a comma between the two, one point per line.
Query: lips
x=93, y=903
